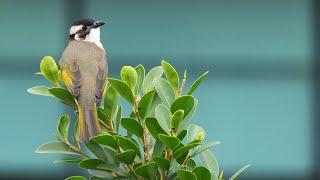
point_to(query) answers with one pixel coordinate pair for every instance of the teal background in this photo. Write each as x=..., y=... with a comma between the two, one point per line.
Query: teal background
x=258, y=99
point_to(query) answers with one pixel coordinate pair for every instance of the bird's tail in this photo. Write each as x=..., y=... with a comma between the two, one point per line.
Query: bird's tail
x=88, y=123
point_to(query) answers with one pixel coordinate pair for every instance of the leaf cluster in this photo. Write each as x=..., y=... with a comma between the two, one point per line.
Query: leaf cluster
x=156, y=140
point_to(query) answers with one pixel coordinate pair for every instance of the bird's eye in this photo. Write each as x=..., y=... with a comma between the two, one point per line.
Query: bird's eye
x=84, y=27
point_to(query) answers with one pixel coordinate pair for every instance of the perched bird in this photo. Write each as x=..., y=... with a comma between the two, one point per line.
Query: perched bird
x=84, y=69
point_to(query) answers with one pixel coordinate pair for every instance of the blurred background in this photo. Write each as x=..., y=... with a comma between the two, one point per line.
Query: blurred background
x=261, y=100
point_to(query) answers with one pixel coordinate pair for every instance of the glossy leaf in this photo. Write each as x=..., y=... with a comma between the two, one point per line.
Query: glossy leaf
x=76, y=178
x=209, y=161
x=145, y=104
x=129, y=76
x=153, y=74
x=202, y=173
x=104, y=153
x=55, y=147
x=177, y=153
x=182, y=135
x=239, y=172
x=106, y=139
x=123, y=89
x=147, y=170
x=204, y=147
x=40, y=90
x=169, y=141
x=64, y=96
x=95, y=164
x=186, y=175
x=163, y=116
x=197, y=82
x=127, y=156
x=191, y=164
x=184, y=103
x=128, y=144
x=171, y=74
x=118, y=119
x=111, y=100
x=63, y=127
x=49, y=69
x=68, y=160
x=177, y=118
x=154, y=127
x=195, y=132
x=141, y=74
x=132, y=126
x=162, y=162
x=165, y=91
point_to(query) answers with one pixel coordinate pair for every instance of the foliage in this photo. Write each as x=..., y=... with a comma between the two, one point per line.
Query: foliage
x=148, y=143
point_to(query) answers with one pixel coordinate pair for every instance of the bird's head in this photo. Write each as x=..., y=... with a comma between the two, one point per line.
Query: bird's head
x=86, y=30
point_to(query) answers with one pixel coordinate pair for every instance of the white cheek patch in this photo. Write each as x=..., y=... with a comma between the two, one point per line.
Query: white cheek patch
x=94, y=36
x=75, y=29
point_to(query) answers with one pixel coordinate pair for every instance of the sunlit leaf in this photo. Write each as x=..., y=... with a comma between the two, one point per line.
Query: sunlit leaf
x=40, y=90
x=239, y=172
x=171, y=74
x=49, y=69
x=111, y=100
x=63, y=127
x=55, y=147
x=141, y=74
x=153, y=74
x=123, y=89
x=165, y=91
x=129, y=76
x=197, y=82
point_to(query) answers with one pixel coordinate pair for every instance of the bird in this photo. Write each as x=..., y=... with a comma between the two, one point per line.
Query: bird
x=84, y=70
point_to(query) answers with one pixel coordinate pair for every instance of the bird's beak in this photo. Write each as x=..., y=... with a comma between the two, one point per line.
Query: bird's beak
x=98, y=24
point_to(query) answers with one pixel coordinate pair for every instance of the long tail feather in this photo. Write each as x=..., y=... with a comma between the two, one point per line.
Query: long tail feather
x=88, y=124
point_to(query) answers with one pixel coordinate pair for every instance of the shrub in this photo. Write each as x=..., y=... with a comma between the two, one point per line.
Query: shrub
x=154, y=141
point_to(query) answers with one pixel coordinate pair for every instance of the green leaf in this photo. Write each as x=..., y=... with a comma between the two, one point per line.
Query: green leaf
x=100, y=175
x=39, y=90
x=141, y=74
x=182, y=134
x=118, y=119
x=111, y=100
x=177, y=153
x=68, y=160
x=171, y=74
x=102, y=115
x=104, y=153
x=163, y=116
x=127, y=156
x=129, y=76
x=195, y=132
x=209, y=160
x=186, y=175
x=165, y=91
x=162, y=162
x=202, y=148
x=132, y=126
x=184, y=103
x=55, y=147
x=63, y=127
x=49, y=69
x=145, y=104
x=169, y=141
x=197, y=82
x=153, y=74
x=191, y=164
x=64, y=96
x=158, y=148
x=76, y=178
x=177, y=118
x=106, y=139
x=123, y=89
x=128, y=144
x=154, y=127
x=238, y=173
x=202, y=173
x=147, y=170
x=95, y=164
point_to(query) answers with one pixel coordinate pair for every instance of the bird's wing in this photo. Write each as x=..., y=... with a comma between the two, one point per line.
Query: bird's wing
x=100, y=83
x=72, y=78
